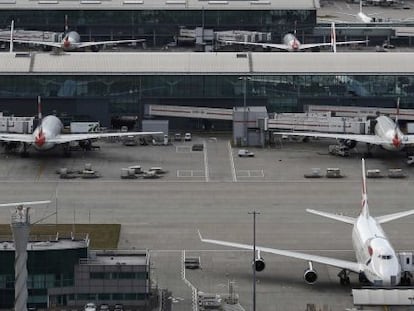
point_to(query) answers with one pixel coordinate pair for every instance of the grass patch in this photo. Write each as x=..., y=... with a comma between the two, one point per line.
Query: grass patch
x=102, y=236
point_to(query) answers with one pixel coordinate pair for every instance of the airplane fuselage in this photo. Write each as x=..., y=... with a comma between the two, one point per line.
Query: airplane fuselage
x=374, y=251
x=292, y=43
x=49, y=128
x=71, y=41
x=387, y=129
x=364, y=18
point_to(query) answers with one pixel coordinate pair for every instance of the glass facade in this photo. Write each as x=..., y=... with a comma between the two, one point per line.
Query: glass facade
x=100, y=97
x=46, y=269
x=158, y=27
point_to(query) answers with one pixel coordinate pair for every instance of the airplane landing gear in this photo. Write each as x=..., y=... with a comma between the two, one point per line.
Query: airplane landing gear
x=406, y=278
x=363, y=279
x=66, y=150
x=344, y=277
x=24, y=153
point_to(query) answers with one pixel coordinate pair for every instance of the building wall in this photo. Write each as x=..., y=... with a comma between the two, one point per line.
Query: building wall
x=87, y=97
x=157, y=26
x=46, y=269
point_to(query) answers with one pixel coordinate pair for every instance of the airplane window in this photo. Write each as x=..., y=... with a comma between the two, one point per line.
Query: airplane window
x=386, y=257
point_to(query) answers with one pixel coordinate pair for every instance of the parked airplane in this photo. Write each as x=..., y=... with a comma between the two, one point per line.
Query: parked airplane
x=362, y=17
x=387, y=135
x=48, y=134
x=376, y=262
x=71, y=41
x=292, y=44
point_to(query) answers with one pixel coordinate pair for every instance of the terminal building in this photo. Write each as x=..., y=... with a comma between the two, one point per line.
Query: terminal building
x=157, y=21
x=64, y=272
x=99, y=86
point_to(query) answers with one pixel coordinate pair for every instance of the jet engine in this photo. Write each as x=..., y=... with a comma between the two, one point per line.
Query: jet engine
x=95, y=48
x=259, y=264
x=310, y=275
x=349, y=143
x=85, y=144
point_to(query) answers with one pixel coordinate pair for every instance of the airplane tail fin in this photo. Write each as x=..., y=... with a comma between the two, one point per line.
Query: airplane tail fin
x=364, y=202
x=11, y=35
x=333, y=37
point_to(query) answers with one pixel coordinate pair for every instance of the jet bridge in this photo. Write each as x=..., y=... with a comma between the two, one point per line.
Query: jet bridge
x=402, y=295
x=190, y=112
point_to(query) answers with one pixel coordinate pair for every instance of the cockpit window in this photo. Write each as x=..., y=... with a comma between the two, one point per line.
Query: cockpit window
x=385, y=257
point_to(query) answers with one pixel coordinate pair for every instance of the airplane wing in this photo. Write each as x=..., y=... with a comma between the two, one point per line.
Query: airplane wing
x=305, y=46
x=47, y=43
x=93, y=43
x=23, y=138
x=264, y=45
x=390, y=217
x=369, y=139
x=66, y=138
x=338, y=263
x=351, y=42
x=345, y=219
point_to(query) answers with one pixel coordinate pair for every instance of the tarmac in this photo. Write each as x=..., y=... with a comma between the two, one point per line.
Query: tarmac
x=213, y=191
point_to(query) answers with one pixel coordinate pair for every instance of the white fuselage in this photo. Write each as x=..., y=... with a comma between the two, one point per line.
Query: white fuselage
x=49, y=128
x=71, y=41
x=374, y=251
x=387, y=129
x=364, y=18
x=292, y=43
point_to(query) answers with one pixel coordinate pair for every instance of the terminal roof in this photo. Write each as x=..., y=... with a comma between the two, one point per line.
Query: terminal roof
x=170, y=63
x=160, y=4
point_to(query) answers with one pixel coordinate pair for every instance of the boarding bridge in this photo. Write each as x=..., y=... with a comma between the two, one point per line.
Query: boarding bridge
x=31, y=35
x=243, y=36
x=317, y=122
x=401, y=295
x=21, y=125
x=365, y=112
x=189, y=112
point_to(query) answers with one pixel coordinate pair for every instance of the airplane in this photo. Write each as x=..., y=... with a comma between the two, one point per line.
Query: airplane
x=362, y=17
x=70, y=42
x=387, y=135
x=376, y=259
x=48, y=134
x=292, y=44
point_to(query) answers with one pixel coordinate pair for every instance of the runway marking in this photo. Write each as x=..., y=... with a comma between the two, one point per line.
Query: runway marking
x=249, y=251
x=206, y=169
x=192, y=287
x=250, y=173
x=270, y=181
x=233, y=169
x=182, y=149
x=190, y=173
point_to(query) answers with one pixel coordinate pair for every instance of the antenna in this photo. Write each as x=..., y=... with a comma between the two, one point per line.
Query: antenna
x=360, y=6
x=39, y=108
x=333, y=37
x=294, y=30
x=66, y=23
x=397, y=114
x=11, y=35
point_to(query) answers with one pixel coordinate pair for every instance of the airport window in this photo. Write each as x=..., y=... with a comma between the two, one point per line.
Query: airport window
x=99, y=275
x=104, y=296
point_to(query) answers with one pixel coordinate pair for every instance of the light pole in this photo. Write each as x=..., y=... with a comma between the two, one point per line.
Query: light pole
x=245, y=79
x=254, y=213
